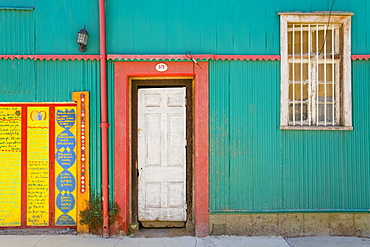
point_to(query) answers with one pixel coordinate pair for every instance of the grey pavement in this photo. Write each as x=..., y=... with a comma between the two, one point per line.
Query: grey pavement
x=223, y=241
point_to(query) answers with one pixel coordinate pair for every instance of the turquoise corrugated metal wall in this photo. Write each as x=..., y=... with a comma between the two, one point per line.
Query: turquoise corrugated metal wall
x=50, y=28
x=17, y=31
x=110, y=82
x=254, y=166
x=245, y=170
x=174, y=27
x=58, y=23
x=54, y=81
x=17, y=80
x=216, y=27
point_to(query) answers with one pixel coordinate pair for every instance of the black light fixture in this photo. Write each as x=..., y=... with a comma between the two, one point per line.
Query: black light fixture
x=82, y=39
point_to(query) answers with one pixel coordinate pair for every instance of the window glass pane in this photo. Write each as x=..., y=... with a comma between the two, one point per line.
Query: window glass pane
x=297, y=72
x=322, y=93
x=323, y=40
x=300, y=92
x=328, y=75
x=329, y=113
x=319, y=32
x=300, y=35
x=298, y=109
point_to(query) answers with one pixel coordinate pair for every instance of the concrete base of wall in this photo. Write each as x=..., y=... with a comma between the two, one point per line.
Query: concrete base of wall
x=291, y=224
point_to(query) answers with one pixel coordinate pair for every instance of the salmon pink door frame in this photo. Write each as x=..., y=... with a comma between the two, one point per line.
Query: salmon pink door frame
x=123, y=72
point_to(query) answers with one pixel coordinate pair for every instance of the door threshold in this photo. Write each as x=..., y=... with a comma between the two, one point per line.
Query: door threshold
x=162, y=232
x=161, y=224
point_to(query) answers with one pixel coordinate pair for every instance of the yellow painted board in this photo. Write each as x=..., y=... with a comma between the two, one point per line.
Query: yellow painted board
x=10, y=162
x=65, y=166
x=38, y=166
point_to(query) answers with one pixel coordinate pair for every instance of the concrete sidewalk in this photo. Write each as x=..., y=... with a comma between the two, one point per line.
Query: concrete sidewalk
x=224, y=241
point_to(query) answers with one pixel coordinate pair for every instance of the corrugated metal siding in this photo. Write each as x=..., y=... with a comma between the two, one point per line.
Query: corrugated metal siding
x=17, y=32
x=51, y=28
x=165, y=26
x=216, y=27
x=54, y=81
x=110, y=83
x=255, y=166
x=17, y=80
x=58, y=23
x=245, y=170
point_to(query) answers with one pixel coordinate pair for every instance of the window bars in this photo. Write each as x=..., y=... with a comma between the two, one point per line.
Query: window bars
x=314, y=58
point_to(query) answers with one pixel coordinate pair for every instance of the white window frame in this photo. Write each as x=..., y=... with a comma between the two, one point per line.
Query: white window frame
x=321, y=18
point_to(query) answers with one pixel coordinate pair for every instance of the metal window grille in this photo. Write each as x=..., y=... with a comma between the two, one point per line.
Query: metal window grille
x=314, y=58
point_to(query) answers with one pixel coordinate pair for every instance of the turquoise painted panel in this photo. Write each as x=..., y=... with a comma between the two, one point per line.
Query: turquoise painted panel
x=55, y=26
x=255, y=166
x=17, y=28
x=245, y=169
x=17, y=3
x=17, y=80
x=215, y=27
x=174, y=27
x=110, y=91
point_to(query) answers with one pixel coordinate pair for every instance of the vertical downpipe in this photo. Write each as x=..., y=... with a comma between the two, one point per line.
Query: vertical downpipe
x=104, y=117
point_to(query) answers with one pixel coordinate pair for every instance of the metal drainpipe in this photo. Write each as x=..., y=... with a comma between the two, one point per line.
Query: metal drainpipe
x=104, y=118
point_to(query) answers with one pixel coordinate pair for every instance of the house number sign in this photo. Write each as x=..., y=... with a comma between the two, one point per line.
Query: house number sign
x=161, y=67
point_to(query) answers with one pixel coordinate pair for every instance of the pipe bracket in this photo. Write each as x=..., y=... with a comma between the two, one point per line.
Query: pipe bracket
x=104, y=125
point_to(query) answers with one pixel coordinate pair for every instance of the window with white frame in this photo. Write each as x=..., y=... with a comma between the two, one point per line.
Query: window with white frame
x=315, y=70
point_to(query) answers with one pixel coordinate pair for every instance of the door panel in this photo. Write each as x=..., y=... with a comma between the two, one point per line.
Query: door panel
x=162, y=154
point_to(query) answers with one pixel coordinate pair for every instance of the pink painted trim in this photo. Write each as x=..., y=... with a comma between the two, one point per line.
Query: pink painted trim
x=123, y=72
x=158, y=57
x=201, y=151
x=360, y=57
x=197, y=57
x=51, y=57
x=121, y=148
x=247, y=57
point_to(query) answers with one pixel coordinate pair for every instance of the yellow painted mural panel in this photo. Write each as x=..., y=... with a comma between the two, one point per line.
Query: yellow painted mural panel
x=65, y=166
x=38, y=166
x=10, y=162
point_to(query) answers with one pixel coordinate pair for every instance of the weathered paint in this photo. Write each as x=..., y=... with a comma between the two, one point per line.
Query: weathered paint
x=291, y=224
x=125, y=70
x=161, y=154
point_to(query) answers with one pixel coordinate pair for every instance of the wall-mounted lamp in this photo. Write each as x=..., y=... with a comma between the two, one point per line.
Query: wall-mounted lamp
x=82, y=39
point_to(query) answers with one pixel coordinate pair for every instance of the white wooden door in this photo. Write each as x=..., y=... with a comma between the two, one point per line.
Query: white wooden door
x=162, y=154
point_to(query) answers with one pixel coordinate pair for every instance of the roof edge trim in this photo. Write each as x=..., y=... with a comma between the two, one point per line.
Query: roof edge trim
x=360, y=57
x=51, y=57
x=201, y=57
